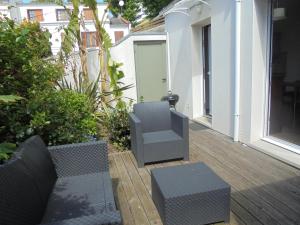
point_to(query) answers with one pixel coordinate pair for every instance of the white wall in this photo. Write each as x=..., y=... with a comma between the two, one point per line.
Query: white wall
x=222, y=22
x=112, y=28
x=4, y=11
x=123, y=52
x=185, y=34
x=177, y=26
x=254, y=70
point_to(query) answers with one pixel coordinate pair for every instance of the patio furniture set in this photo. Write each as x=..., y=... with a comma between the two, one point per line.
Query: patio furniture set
x=71, y=185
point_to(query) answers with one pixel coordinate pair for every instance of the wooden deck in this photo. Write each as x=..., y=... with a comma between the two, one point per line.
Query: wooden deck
x=264, y=190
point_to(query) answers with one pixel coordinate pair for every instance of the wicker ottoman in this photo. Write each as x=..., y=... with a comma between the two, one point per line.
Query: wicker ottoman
x=190, y=195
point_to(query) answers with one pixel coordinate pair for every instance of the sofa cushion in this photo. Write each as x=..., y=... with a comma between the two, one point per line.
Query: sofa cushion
x=37, y=159
x=155, y=116
x=20, y=202
x=78, y=196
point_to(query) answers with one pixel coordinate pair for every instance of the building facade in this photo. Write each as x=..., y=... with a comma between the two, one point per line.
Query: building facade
x=54, y=18
x=235, y=66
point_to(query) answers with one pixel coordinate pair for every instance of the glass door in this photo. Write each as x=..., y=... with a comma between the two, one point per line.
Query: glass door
x=207, y=70
x=284, y=93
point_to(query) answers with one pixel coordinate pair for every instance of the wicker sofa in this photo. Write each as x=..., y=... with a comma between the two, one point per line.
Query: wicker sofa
x=61, y=185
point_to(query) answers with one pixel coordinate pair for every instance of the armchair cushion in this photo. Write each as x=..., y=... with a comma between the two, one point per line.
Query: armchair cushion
x=154, y=116
x=79, y=196
x=162, y=145
x=161, y=136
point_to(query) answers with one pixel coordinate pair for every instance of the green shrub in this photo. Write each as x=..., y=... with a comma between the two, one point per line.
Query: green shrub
x=6, y=150
x=28, y=71
x=62, y=117
x=117, y=125
x=24, y=67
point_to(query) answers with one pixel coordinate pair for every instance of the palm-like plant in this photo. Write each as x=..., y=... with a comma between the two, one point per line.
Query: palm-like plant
x=107, y=88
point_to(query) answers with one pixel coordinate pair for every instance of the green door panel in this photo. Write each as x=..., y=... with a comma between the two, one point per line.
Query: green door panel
x=150, y=68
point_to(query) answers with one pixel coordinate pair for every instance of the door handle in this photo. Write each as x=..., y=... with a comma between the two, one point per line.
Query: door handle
x=164, y=80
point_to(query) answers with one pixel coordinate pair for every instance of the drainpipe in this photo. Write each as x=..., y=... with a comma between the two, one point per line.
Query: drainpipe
x=237, y=71
x=169, y=62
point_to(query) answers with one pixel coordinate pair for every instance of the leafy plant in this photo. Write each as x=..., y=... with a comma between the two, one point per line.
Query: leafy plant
x=117, y=125
x=117, y=87
x=107, y=88
x=24, y=48
x=9, y=98
x=29, y=71
x=6, y=150
x=26, y=70
x=63, y=117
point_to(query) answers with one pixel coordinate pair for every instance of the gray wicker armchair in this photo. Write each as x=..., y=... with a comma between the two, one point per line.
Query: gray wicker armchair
x=158, y=133
x=61, y=185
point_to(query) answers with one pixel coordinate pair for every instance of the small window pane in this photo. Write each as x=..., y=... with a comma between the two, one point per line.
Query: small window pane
x=35, y=15
x=88, y=14
x=89, y=39
x=62, y=15
x=118, y=35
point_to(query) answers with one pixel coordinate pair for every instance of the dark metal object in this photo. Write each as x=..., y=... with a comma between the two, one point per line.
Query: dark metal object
x=60, y=185
x=172, y=99
x=158, y=133
x=190, y=195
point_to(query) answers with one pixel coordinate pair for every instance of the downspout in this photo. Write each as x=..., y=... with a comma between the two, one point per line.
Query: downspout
x=169, y=62
x=237, y=71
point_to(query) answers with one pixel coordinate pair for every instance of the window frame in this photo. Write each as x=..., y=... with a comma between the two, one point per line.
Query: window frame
x=118, y=34
x=86, y=10
x=36, y=18
x=90, y=40
x=61, y=10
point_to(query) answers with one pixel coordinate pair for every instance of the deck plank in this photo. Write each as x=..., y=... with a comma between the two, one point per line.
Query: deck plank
x=141, y=191
x=281, y=198
x=237, y=185
x=137, y=210
x=119, y=193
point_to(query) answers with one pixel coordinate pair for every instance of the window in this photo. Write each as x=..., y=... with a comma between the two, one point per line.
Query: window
x=62, y=15
x=118, y=35
x=90, y=39
x=35, y=14
x=88, y=14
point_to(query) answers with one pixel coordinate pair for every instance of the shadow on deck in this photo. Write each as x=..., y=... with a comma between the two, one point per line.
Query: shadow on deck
x=264, y=190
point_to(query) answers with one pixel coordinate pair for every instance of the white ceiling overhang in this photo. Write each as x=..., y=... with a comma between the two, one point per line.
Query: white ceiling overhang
x=185, y=6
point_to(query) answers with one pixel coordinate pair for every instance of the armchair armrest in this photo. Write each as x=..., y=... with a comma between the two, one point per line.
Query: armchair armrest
x=80, y=159
x=109, y=218
x=136, y=135
x=180, y=124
